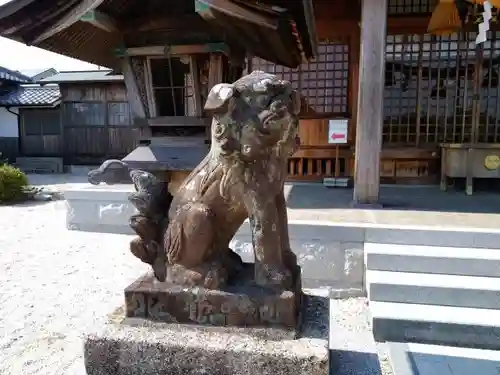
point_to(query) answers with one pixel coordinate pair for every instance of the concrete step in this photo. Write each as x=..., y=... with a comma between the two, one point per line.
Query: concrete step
x=439, y=325
x=422, y=359
x=432, y=289
x=40, y=164
x=432, y=259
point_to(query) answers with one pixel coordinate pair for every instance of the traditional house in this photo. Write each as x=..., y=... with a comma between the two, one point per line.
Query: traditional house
x=80, y=117
x=23, y=102
x=94, y=118
x=406, y=96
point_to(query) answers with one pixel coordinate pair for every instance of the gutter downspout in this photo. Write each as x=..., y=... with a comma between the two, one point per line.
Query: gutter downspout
x=18, y=129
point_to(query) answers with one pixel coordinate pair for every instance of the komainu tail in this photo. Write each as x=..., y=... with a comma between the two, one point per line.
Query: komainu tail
x=152, y=199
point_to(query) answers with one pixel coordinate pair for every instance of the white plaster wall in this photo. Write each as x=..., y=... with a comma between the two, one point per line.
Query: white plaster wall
x=8, y=123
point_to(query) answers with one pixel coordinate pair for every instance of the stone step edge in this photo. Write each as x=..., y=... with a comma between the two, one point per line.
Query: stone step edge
x=442, y=334
x=437, y=325
x=430, y=280
x=432, y=260
x=435, y=290
x=435, y=314
x=432, y=251
x=403, y=363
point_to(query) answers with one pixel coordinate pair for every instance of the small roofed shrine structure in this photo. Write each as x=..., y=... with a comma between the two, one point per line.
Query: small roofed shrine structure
x=171, y=53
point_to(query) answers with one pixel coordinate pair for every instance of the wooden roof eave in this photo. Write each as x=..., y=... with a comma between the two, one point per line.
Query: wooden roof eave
x=26, y=19
x=63, y=32
x=270, y=34
x=85, y=42
x=13, y=6
x=70, y=18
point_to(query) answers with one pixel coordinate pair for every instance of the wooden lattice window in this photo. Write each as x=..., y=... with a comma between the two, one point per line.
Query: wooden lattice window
x=41, y=122
x=323, y=83
x=399, y=7
x=172, y=87
x=441, y=89
x=84, y=114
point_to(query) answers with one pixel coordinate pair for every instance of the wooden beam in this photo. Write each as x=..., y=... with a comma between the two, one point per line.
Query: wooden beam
x=353, y=88
x=311, y=25
x=133, y=94
x=174, y=50
x=370, y=102
x=150, y=94
x=100, y=20
x=65, y=22
x=179, y=121
x=164, y=22
x=205, y=7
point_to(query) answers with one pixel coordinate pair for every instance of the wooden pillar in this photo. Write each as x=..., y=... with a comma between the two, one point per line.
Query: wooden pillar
x=133, y=94
x=215, y=70
x=370, y=102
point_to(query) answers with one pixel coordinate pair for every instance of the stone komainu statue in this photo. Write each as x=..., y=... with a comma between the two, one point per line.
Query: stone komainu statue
x=186, y=237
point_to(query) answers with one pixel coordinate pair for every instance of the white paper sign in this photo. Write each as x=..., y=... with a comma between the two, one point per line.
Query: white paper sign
x=337, y=131
x=484, y=26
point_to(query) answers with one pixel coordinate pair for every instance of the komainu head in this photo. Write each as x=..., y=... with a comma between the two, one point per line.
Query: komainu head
x=254, y=117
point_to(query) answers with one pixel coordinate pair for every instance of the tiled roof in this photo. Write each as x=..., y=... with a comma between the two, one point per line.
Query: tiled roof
x=38, y=74
x=32, y=96
x=83, y=76
x=10, y=75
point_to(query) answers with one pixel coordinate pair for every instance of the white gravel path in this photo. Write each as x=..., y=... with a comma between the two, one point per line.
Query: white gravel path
x=55, y=285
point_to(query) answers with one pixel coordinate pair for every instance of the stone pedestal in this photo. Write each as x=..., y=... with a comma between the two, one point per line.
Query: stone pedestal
x=241, y=303
x=133, y=346
x=100, y=208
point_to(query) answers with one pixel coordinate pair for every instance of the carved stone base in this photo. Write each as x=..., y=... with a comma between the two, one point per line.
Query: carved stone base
x=241, y=303
x=135, y=346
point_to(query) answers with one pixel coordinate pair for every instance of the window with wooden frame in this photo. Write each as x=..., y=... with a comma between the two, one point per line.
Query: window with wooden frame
x=171, y=87
x=323, y=83
x=84, y=114
x=40, y=122
x=118, y=114
x=441, y=89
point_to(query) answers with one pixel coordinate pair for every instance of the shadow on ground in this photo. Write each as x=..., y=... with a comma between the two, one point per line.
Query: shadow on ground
x=401, y=198
x=29, y=203
x=344, y=362
x=432, y=364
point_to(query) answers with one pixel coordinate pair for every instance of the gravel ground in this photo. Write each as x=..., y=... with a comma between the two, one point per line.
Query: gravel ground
x=57, y=284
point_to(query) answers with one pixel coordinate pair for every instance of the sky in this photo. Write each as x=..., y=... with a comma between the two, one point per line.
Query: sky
x=17, y=56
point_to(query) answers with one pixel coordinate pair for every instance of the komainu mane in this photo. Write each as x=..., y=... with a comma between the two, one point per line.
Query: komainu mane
x=186, y=237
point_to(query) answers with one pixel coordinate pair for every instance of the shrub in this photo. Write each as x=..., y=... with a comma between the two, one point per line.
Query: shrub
x=13, y=183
